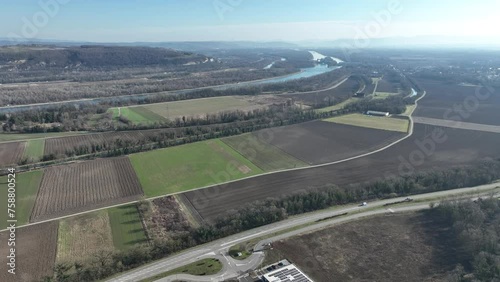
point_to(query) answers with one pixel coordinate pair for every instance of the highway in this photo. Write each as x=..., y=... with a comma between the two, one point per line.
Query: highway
x=233, y=268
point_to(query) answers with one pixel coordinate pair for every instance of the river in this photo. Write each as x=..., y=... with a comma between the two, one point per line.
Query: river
x=304, y=73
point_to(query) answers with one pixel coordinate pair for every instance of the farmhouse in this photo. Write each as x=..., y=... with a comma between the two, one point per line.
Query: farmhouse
x=289, y=273
x=376, y=113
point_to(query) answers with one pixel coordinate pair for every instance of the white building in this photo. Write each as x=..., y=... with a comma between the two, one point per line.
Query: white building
x=289, y=273
x=379, y=114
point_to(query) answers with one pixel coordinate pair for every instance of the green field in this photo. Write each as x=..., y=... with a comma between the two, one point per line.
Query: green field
x=409, y=110
x=83, y=236
x=26, y=190
x=203, y=267
x=264, y=155
x=126, y=227
x=26, y=136
x=171, y=110
x=190, y=166
x=383, y=95
x=337, y=106
x=137, y=115
x=384, y=123
x=34, y=149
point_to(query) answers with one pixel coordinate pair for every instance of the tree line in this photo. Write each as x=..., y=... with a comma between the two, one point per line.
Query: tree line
x=265, y=212
x=474, y=238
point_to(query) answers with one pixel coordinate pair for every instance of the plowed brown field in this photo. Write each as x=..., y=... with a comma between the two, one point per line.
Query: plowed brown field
x=461, y=147
x=35, y=253
x=11, y=153
x=82, y=186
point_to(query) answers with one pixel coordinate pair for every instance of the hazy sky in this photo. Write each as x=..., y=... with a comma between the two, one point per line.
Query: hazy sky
x=260, y=20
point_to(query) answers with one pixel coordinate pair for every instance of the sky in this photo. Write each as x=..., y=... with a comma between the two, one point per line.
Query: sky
x=252, y=20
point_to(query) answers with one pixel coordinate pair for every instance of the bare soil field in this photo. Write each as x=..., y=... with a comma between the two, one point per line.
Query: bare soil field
x=386, y=86
x=35, y=253
x=462, y=103
x=342, y=92
x=82, y=186
x=322, y=142
x=397, y=247
x=11, y=153
x=456, y=147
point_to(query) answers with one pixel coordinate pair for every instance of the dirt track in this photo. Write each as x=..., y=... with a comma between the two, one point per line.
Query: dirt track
x=83, y=186
x=457, y=124
x=460, y=147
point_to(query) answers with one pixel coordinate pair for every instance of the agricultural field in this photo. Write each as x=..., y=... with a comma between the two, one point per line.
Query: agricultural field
x=126, y=227
x=83, y=236
x=137, y=115
x=342, y=92
x=83, y=186
x=264, y=155
x=455, y=147
x=34, y=149
x=7, y=137
x=35, y=253
x=11, y=153
x=194, y=108
x=199, y=107
x=382, y=123
x=385, y=86
x=320, y=142
x=181, y=168
x=462, y=103
x=338, y=106
x=383, y=95
x=26, y=190
x=396, y=247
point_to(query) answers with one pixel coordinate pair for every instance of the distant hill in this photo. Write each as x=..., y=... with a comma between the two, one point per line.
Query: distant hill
x=93, y=56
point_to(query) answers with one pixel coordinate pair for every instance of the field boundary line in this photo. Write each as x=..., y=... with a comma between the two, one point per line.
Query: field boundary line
x=250, y=177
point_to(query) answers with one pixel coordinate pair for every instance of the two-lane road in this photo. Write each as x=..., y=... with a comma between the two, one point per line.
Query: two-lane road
x=233, y=268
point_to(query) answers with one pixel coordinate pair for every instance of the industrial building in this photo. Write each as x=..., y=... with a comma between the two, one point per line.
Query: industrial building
x=288, y=273
x=376, y=113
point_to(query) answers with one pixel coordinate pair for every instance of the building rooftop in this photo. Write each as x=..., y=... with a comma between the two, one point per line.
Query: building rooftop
x=289, y=273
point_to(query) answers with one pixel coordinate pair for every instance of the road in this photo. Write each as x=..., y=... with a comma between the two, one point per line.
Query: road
x=125, y=97
x=458, y=124
x=320, y=90
x=233, y=268
x=410, y=133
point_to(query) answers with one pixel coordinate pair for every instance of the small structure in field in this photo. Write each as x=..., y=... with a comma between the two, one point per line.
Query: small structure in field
x=359, y=95
x=377, y=113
